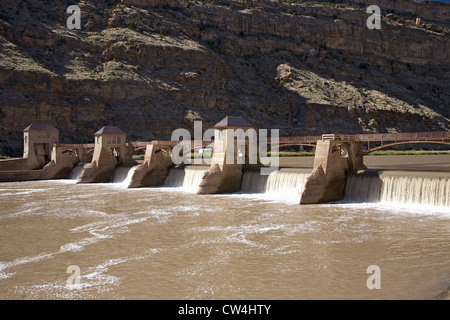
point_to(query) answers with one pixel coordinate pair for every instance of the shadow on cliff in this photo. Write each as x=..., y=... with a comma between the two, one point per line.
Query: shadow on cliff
x=404, y=82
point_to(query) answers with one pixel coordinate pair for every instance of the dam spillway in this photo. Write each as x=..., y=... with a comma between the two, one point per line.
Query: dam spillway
x=185, y=178
x=398, y=189
x=286, y=185
x=367, y=187
x=76, y=171
x=110, y=158
x=123, y=175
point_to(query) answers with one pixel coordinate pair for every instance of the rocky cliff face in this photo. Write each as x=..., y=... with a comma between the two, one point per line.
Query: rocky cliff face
x=151, y=66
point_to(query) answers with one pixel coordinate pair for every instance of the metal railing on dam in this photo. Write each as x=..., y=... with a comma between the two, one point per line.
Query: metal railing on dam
x=372, y=141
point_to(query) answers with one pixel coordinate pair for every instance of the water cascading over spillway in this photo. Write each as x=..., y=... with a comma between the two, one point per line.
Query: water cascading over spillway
x=283, y=184
x=123, y=175
x=76, y=171
x=406, y=190
x=185, y=178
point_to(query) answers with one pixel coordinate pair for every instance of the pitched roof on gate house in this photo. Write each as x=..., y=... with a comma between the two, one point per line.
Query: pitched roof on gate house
x=40, y=127
x=232, y=121
x=109, y=130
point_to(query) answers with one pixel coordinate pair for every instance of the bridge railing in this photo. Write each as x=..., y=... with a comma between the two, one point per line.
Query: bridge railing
x=298, y=139
x=170, y=144
x=332, y=136
x=372, y=137
x=408, y=136
x=74, y=146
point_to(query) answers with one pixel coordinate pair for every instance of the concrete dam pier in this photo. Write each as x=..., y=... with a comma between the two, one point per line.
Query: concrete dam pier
x=110, y=151
x=335, y=156
x=227, y=168
x=234, y=153
x=154, y=170
x=44, y=157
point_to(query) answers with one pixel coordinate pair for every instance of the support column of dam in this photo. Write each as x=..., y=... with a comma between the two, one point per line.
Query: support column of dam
x=228, y=160
x=335, y=156
x=62, y=163
x=154, y=170
x=110, y=151
x=38, y=140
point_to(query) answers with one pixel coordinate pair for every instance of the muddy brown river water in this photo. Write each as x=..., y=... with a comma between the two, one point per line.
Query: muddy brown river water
x=169, y=243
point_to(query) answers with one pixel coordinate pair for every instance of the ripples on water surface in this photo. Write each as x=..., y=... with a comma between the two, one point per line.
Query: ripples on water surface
x=169, y=243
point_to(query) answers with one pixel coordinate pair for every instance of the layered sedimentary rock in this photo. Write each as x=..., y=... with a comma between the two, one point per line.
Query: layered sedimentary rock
x=154, y=66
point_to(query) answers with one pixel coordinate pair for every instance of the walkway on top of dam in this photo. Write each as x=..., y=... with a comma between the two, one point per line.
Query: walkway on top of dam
x=431, y=163
x=372, y=142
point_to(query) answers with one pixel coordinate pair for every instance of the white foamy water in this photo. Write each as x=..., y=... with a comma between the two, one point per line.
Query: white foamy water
x=282, y=185
x=185, y=178
x=76, y=171
x=410, y=191
x=123, y=175
x=158, y=243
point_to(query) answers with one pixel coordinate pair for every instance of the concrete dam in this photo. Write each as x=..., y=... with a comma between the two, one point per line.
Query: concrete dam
x=337, y=174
